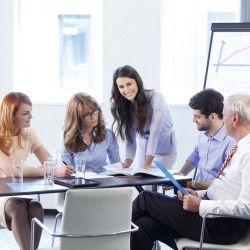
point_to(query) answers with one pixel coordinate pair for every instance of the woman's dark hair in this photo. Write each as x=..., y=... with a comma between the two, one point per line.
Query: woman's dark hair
x=208, y=101
x=123, y=110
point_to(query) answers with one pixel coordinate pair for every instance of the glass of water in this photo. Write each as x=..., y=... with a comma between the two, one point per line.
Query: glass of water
x=48, y=172
x=17, y=171
x=80, y=168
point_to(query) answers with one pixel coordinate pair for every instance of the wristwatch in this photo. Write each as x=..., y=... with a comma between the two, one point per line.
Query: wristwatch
x=193, y=184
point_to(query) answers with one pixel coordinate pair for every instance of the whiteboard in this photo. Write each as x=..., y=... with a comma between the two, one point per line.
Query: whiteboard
x=228, y=66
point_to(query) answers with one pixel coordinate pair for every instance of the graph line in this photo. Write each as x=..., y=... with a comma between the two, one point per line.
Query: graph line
x=236, y=52
x=222, y=46
x=221, y=62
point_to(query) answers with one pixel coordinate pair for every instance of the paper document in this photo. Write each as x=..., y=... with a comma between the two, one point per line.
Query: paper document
x=118, y=170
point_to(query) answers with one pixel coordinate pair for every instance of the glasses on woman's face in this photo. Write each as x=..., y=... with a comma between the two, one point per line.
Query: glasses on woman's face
x=89, y=115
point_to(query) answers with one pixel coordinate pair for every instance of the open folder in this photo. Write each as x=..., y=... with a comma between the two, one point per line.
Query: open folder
x=170, y=177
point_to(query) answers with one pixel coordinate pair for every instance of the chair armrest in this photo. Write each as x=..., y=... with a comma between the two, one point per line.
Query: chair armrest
x=214, y=215
x=39, y=223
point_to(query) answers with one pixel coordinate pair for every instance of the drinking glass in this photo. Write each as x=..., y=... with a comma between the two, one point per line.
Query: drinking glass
x=48, y=172
x=17, y=171
x=80, y=168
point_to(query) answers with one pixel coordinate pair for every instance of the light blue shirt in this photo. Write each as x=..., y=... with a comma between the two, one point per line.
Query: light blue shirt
x=158, y=129
x=96, y=155
x=210, y=153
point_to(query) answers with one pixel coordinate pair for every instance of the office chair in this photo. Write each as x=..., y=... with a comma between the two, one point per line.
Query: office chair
x=59, y=203
x=94, y=219
x=243, y=244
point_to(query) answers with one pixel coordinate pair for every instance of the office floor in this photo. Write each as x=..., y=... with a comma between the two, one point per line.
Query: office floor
x=7, y=241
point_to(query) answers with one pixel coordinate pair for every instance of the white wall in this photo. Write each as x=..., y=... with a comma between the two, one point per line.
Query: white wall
x=6, y=46
x=132, y=35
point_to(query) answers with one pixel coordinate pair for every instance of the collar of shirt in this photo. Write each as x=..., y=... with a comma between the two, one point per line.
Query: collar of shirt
x=244, y=140
x=220, y=135
x=81, y=136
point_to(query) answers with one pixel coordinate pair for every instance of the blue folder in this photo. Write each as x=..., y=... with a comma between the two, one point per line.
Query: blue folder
x=170, y=177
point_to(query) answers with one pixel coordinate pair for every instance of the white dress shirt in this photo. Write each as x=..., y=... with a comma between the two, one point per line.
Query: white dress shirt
x=229, y=193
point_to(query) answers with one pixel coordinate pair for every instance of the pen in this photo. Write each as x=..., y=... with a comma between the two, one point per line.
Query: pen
x=65, y=163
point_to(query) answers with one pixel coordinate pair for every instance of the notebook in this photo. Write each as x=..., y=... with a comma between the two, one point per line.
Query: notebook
x=170, y=177
x=75, y=182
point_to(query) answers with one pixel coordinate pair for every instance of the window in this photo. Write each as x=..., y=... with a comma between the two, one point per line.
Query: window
x=59, y=45
x=185, y=42
x=74, y=33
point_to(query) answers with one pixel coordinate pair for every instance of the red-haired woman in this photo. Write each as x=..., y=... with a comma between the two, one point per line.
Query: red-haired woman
x=17, y=141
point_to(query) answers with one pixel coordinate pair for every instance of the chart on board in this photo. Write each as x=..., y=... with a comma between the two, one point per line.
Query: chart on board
x=228, y=67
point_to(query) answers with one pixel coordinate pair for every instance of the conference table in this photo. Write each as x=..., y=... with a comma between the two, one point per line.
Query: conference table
x=37, y=186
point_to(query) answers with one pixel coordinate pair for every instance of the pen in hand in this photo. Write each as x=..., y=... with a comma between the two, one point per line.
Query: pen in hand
x=65, y=163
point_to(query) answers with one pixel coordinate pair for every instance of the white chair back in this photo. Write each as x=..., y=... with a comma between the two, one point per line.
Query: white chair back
x=97, y=211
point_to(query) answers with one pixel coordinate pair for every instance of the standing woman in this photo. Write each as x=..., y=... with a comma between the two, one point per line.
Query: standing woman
x=17, y=140
x=143, y=114
x=85, y=135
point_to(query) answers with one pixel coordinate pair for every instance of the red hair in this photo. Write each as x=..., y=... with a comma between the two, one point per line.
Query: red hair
x=8, y=108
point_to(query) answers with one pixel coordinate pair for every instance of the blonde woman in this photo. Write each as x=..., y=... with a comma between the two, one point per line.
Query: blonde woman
x=86, y=136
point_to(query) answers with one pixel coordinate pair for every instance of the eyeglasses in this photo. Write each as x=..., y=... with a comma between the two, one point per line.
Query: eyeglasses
x=90, y=114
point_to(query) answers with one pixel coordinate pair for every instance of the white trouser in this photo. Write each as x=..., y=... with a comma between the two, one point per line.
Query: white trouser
x=167, y=160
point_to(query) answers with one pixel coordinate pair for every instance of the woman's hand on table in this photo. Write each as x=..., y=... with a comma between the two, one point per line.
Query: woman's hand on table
x=127, y=163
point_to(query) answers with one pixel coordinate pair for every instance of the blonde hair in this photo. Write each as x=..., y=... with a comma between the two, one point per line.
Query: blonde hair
x=76, y=107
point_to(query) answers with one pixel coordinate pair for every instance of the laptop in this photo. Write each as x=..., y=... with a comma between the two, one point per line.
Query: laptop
x=75, y=182
x=170, y=177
